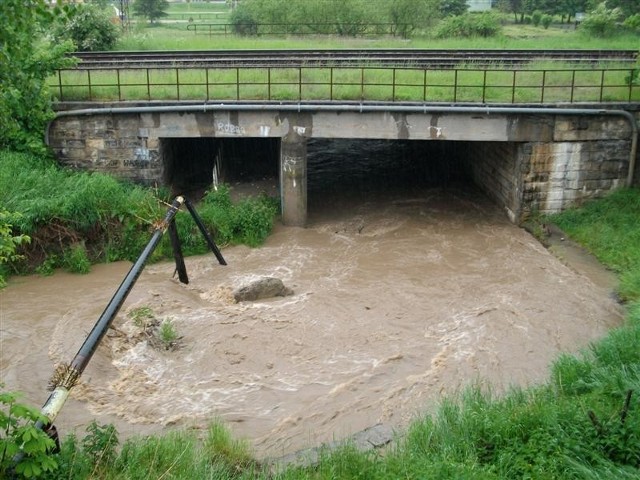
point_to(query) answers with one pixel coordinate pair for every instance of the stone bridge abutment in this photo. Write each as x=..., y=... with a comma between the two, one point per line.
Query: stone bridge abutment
x=525, y=159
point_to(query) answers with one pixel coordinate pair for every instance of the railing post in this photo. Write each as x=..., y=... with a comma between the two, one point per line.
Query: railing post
x=455, y=85
x=393, y=85
x=148, y=85
x=484, y=86
x=206, y=79
x=268, y=83
x=119, y=87
x=513, y=87
x=299, y=83
x=330, y=83
x=601, y=84
x=544, y=80
x=573, y=85
x=60, y=84
x=89, y=82
x=362, y=83
x=178, y=83
x=237, y=83
x=424, y=89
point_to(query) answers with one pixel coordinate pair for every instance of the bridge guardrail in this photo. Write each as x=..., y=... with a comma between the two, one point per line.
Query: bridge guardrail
x=359, y=83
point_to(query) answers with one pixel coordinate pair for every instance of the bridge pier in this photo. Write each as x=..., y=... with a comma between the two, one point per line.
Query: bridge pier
x=293, y=179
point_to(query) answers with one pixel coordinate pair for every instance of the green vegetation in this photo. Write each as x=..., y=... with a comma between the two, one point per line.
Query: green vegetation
x=610, y=229
x=89, y=27
x=9, y=243
x=152, y=10
x=18, y=434
x=73, y=218
x=28, y=58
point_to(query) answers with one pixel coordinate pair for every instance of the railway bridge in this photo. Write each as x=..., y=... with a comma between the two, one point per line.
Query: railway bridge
x=542, y=155
x=524, y=158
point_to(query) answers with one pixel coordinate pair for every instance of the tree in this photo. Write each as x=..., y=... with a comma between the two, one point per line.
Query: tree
x=151, y=9
x=409, y=15
x=27, y=59
x=627, y=7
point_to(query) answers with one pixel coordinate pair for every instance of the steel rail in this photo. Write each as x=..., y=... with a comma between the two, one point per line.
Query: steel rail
x=351, y=57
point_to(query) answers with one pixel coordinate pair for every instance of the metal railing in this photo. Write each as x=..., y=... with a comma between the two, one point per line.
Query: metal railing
x=348, y=29
x=362, y=83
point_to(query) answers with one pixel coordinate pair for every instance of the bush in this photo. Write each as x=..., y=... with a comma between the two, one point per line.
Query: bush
x=601, y=22
x=88, y=27
x=469, y=25
x=18, y=434
x=633, y=23
x=8, y=243
x=536, y=18
x=28, y=59
x=243, y=22
x=546, y=20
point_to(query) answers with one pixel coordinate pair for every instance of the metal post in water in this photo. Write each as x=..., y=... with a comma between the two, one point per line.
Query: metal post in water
x=176, y=246
x=205, y=233
x=67, y=377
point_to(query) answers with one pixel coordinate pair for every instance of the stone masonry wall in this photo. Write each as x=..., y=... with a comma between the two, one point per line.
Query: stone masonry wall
x=495, y=169
x=561, y=174
x=113, y=144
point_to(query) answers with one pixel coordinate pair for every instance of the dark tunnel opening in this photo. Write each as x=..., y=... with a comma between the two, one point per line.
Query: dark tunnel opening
x=193, y=165
x=348, y=172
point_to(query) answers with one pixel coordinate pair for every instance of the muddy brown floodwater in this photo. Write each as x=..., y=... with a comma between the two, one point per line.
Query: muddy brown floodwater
x=396, y=303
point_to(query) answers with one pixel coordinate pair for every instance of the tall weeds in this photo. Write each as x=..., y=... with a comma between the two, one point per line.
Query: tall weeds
x=76, y=218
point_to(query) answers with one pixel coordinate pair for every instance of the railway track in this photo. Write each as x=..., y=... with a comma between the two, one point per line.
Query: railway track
x=386, y=58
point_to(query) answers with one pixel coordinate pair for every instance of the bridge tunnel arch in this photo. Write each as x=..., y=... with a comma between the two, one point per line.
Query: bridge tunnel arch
x=192, y=165
x=394, y=168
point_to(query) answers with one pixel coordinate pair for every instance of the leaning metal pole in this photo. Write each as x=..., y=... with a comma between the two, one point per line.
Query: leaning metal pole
x=67, y=377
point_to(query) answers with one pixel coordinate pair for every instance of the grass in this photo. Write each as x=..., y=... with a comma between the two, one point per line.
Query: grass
x=610, y=229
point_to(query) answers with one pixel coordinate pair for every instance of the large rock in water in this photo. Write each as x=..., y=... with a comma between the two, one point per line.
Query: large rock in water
x=266, y=287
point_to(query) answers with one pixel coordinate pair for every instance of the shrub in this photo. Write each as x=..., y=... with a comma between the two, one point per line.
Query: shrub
x=243, y=22
x=76, y=260
x=28, y=58
x=536, y=18
x=8, y=243
x=601, y=22
x=469, y=25
x=88, y=27
x=633, y=23
x=18, y=434
x=546, y=20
